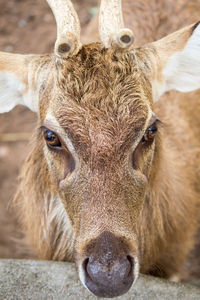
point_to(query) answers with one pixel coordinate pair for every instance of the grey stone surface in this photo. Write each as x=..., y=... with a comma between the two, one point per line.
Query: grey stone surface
x=47, y=280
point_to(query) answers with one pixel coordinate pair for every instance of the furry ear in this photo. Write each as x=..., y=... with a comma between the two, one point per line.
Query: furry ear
x=177, y=61
x=14, y=82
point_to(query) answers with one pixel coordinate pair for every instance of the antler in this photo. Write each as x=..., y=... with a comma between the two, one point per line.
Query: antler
x=111, y=25
x=68, y=27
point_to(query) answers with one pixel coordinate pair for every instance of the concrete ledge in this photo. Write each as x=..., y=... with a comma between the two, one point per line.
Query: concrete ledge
x=47, y=280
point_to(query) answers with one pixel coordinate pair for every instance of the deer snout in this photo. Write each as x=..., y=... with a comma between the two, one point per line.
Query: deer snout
x=108, y=270
x=108, y=279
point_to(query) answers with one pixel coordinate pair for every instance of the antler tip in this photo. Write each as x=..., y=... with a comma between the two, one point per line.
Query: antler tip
x=64, y=48
x=67, y=44
x=125, y=38
x=111, y=25
x=68, y=28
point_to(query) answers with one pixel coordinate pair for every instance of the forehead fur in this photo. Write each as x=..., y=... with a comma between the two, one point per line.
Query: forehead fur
x=103, y=99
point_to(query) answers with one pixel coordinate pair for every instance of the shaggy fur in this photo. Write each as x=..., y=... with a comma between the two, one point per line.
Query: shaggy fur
x=102, y=127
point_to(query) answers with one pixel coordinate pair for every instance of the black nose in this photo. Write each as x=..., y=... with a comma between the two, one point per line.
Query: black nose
x=111, y=279
x=108, y=271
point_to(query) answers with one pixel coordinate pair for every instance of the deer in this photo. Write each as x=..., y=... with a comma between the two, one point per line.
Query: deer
x=112, y=180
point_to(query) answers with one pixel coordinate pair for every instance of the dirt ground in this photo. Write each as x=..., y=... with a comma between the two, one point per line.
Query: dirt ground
x=25, y=27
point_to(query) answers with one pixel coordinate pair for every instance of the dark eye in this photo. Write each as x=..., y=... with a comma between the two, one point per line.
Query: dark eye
x=52, y=139
x=150, y=133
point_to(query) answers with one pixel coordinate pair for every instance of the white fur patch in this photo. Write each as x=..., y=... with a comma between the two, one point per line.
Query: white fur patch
x=81, y=274
x=57, y=223
x=136, y=269
x=182, y=73
x=11, y=91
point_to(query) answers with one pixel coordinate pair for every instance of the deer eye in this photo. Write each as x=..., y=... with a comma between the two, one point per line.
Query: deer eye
x=52, y=139
x=150, y=133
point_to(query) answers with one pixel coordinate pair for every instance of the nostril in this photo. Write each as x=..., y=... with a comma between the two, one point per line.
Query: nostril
x=85, y=264
x=89, y=274
x=131, y=262
x=130, y=259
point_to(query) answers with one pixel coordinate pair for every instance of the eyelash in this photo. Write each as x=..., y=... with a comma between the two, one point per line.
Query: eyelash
x=144, y=143
x=150, y=133
x=51, y=138
x=69, y=160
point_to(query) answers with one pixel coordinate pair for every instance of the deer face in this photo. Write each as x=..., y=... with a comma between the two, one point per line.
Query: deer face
x=98, y=136
x=99, y=147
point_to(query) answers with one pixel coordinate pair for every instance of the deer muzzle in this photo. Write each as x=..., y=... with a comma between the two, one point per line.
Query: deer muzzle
x=108, y=269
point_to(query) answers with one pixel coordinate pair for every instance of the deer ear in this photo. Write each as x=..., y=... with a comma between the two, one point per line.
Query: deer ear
x=177, y=61
x=14, y=78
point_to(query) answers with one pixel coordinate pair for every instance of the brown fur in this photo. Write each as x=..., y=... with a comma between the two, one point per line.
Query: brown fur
x=102, y=129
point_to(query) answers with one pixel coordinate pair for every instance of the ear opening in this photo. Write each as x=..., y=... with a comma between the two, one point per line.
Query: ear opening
x=177, y=61
x=14, y=86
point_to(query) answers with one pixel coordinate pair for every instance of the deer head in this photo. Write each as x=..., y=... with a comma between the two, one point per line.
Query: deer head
x=97, y=139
